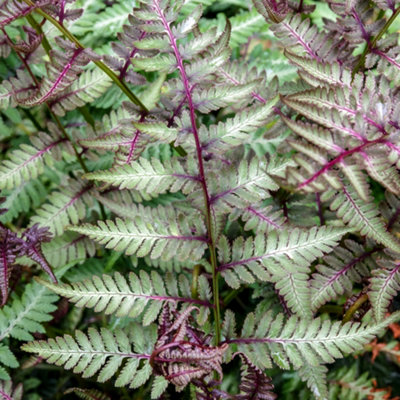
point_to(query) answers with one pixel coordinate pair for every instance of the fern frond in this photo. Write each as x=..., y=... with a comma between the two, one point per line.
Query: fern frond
x=190, y=5
x=88, y=394
x=244, y=25
x=347, y=384
x=153, y=177
x=364, y=217
x=255, y=384
x=291, y=282
x=101, y=352
x=14, y=9
x=7, y=358
x=215, y=98
x=261, y=256
x=235, y=131
x=28, y=161
x=157, y=130
x=317, y=73
x=133, y=296
x=385, y=284
x=275, y=11
x=300, y=342
x=300, y=37
x=90, y=85
x=10, y=89
x=111, y=124
x=9, y=391
x=25, y=315
x=23, y=198
x=69, y=247
x=62, y=72
x=262, y=219
x=158, y=387
x=122, y=203
x=242, y=185
x=166, y=238
x=327, y=117
x=65, y=207
x=316, y=379
x=341, y=269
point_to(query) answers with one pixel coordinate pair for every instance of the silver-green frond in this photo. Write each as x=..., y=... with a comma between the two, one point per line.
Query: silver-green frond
x=136, y=295
x=103, y=352
x=363, y=216
x=298, y=342
x=25, y=315
x=64, y=207
x=385, y=284
x=170, y=236
x=259, y=258
x=151, y=177
x=28, y=161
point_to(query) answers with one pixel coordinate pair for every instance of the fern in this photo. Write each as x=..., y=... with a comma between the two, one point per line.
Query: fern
x=152, y=176
x=29, y=160
x=249, y=185
x=64, y=208
x=139, y=236
x=185, y=171
x=12, y=88
x=336, y=276
x=263, y=219
x=89, y=86
x=298, y=342
x=68, y=248
x=9, y=391
x=23, y=198
x=61, y=73
x=25, y=315
x=385, y=284
x=347, y=384
x=88, y=394
x=100, y=352
x=316, y=378
x=139, y=295
x=262, y=257
x=364, y=217
x=244, y=25
x=13, y=10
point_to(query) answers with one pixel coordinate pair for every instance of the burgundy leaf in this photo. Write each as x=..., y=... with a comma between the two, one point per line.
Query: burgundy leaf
x=275, y=10
x=30, y=246
x=255, y=385
x=8, y=241
x=179, y=356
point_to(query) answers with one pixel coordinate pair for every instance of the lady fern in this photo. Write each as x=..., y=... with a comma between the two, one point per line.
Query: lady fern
x=179, y=183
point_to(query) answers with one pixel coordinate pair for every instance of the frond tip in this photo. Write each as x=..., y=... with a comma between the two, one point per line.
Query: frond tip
x=99, y=352
x=298, y=342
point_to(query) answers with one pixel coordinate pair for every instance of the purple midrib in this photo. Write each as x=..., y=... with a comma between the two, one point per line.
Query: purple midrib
x=60, y=77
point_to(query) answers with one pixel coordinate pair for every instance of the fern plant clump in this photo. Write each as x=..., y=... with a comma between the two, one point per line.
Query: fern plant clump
x=212, y=187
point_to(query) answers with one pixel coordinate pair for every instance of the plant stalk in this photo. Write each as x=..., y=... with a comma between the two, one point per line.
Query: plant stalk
x=351, y=311
x=202, y=177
